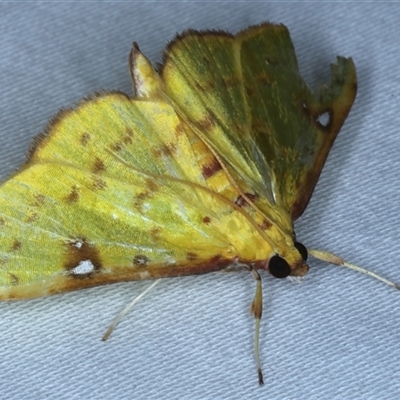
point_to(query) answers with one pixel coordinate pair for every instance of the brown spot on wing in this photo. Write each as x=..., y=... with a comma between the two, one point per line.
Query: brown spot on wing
x=85, y=138
x=241, y=201
x=16, y=245
x=166, y=150
x=117, y=146
x=207, y=123
x=147, y=194
x=265, y=225
x=180, y=130
x=210, y=169
x=206, y=220
x=155, y=233
x=73, y=195
x=140, y=198
x=38, y=200
x=128, y=138
x=98, y=166
x=31, y=217
x=99, y=184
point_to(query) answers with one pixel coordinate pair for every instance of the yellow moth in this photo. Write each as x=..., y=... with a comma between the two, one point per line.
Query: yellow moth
x=205, y=168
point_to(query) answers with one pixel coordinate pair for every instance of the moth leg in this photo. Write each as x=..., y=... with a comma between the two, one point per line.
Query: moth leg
x=126, y=309
x=256, y=309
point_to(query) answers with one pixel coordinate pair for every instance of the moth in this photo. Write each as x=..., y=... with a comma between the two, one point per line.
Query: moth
x=206, y=167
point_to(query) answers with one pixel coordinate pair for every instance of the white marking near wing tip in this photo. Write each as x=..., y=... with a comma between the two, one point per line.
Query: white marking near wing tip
x=84, y=267
x=114, y=216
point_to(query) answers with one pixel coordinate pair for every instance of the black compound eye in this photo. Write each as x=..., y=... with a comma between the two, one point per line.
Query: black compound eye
x=302, y=250
x=278, y=267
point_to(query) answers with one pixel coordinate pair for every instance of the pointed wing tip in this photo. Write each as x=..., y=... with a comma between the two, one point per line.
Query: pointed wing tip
x=145, y=80
x=134, y=53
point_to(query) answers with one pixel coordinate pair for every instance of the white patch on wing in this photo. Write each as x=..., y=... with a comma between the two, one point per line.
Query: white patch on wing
x=84, y=267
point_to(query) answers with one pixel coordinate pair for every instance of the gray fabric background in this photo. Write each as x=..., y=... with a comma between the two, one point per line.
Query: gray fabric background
x=336, y=336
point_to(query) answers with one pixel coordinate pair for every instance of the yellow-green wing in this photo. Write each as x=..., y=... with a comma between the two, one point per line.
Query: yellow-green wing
x=244, y=95
x=114, y=192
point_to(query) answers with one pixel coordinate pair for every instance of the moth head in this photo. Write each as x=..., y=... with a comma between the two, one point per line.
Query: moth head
x=280, y=268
